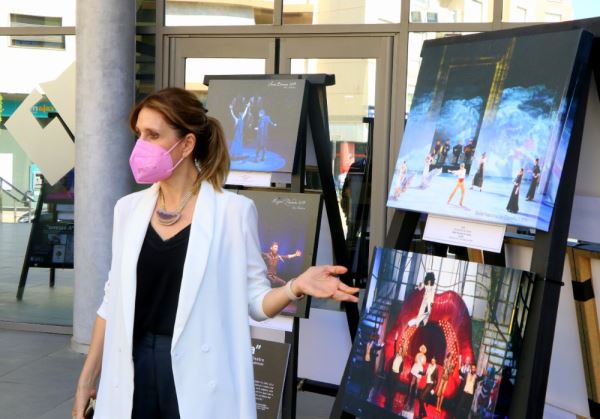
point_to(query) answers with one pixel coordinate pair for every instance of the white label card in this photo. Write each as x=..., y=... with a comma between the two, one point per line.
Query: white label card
x=458, y=232
x=256, y=179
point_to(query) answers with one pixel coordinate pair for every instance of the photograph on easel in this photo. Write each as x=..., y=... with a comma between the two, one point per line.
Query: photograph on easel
x=261, y=119
x=288, y=226
x=489, y=126
x=438, y=337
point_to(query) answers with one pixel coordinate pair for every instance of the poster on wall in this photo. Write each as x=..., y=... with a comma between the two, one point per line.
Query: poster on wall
x=261, y=119
x=489, y=127
x=288, y=226
x=270, y=365
x=438, y=337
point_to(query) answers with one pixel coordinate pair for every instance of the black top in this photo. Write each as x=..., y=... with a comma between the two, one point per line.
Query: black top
x=159, y=272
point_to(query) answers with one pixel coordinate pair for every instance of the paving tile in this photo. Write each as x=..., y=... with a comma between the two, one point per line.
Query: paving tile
x=20, y=348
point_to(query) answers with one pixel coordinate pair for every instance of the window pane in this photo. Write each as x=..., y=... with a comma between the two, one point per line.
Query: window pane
x=23, y=70
x=348, y=101
x=340, y=11
x=415, y=43
x=197, y=68
x=215, y=13
x=433, y=11
x=549, y=10
x=37, y=13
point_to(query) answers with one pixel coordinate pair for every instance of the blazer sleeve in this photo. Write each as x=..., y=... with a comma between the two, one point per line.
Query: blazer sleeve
x=258, y=284
x=103, y=309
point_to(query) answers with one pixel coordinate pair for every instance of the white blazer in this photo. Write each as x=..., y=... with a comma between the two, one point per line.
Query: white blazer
x=224, y=280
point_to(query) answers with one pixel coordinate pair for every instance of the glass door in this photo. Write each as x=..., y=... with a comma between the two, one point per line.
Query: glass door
x=362, y=68
x=193, y=58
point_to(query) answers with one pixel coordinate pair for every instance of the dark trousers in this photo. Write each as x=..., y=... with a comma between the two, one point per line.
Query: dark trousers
x=154, y=394
x=464, y=405
x=424, y=393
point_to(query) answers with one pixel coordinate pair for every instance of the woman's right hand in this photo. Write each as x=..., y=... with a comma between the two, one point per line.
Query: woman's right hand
x=82, y=397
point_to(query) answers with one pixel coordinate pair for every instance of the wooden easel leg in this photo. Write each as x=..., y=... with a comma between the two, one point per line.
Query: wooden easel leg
x=587, y=319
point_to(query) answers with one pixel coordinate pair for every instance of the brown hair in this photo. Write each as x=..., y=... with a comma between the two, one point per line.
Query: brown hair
x=185, y=113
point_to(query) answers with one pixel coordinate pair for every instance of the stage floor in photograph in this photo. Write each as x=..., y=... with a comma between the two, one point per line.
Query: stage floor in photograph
x=487, y=205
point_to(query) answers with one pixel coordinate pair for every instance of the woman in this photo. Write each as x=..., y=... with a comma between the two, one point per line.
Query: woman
x=171, y=336
x=513, y=202
x=478, y=178
x=447, y=370
x=237, y=143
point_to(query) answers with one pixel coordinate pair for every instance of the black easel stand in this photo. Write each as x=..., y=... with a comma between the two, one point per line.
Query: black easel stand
x=314, y=120
x=547, y=263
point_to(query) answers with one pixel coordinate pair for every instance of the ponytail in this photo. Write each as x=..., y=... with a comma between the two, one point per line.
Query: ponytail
x=212, y=154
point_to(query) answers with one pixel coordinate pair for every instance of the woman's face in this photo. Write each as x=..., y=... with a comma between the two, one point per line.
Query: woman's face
x=152, y=127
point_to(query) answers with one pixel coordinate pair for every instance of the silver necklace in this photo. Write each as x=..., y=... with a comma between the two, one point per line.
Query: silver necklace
x=168, y=218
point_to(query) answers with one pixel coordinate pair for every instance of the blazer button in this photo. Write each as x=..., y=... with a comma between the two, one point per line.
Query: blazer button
x=212, y=385
x=205, y=348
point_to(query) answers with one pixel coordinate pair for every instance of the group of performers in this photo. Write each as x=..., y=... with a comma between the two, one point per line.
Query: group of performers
x=249, y=116
x=472, y=384
x=477, y=392
x=441, y=155
x=432, y=166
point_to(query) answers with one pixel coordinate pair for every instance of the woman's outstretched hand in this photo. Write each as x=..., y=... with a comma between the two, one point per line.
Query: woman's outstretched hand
x=322, y=282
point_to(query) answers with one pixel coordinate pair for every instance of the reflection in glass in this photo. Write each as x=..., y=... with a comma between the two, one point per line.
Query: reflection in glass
x=197, y=68
x=338, y=12
x=19, y=13
x=218, y=13
x=548, y=10
x=350, y=100
x=23, y=69
x=444, y=11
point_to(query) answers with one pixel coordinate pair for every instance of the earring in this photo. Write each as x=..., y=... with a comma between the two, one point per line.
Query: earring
x=197, y=164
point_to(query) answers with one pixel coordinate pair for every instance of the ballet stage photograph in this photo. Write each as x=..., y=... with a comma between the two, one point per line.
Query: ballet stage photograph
x=487, y=132
x=437, y=338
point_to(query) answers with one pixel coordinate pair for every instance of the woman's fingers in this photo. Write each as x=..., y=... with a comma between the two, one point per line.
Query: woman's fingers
x=347, y=289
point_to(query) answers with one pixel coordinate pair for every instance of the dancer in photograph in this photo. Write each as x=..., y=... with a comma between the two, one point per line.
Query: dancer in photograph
x=466, y=398
x=372, y=349
x=444, y=153
x=427, y=174
x=535, y=181
x=415, y=375
x=456, y=151
x=469, y=151
x=393, y=375
x=272, y=259
x=437, y=151
x=427, y=165
x=425, y=309
x=447, y=369
x=401, y=183
x=460, y=183
x=262, y=135
x=431, y=375
x=513, y=202
x=466, y=367
x=237, y=143
x=478, y=178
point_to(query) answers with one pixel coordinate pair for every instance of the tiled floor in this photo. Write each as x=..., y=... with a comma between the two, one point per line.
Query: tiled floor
x=38, y=374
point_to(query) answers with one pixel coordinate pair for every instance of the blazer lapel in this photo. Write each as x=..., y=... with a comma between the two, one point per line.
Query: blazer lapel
x=196, y=257
x=135, y=232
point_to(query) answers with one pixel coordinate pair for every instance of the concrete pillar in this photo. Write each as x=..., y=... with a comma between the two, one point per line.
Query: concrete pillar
x=105, y=95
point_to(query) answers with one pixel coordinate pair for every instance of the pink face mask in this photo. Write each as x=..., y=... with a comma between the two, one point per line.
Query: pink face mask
x=151, y=163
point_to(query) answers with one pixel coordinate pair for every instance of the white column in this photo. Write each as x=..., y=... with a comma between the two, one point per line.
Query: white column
x=105, y=95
